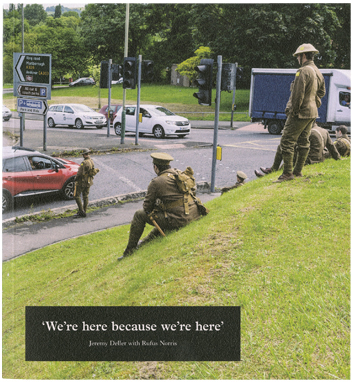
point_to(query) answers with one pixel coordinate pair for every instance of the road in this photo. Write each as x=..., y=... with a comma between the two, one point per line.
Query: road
x=245, y=149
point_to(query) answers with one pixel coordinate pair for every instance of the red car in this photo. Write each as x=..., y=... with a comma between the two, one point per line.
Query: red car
x=26, y=172
x=113, y=108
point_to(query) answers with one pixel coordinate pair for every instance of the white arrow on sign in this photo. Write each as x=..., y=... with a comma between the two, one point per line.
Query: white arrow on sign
x=18, y=68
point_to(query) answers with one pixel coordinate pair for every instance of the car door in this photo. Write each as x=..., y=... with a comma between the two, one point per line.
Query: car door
x=16, y=175
x=146, y=125
x=45, y=176
x=68, y=116
x=58, y=115
x=130, y=118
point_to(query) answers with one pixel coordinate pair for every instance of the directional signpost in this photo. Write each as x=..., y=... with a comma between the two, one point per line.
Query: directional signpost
x=32, y=106
x=32, y=79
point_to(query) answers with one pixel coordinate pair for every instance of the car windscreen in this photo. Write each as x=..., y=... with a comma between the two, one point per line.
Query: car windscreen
x=163, y=111
x=82, y=108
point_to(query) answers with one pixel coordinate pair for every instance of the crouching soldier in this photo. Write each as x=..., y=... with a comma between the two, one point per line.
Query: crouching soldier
x=170, y=203
x=241, y=176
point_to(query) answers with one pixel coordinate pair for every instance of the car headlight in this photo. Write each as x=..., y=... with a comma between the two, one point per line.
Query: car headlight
x=171, y=122
x=87, y=117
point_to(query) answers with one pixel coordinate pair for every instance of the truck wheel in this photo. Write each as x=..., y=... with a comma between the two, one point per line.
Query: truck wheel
x=274, y=127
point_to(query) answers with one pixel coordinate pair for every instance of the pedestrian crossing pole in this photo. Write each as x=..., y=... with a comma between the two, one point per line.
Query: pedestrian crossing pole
x=216, y=119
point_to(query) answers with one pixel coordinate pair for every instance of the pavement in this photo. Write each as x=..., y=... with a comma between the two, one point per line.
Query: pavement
x=21, y=238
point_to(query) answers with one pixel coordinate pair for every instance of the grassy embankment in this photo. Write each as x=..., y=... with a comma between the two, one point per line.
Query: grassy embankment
x=178, y=99
x=280, y=251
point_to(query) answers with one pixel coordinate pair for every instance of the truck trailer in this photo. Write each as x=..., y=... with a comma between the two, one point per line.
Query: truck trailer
x=270, y=92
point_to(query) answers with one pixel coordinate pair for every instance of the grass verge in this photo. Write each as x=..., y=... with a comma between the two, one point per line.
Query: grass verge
x=178, y=99
x=280, y=251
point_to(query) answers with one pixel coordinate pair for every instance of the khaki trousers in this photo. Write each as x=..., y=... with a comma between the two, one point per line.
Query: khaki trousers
x=296, y=131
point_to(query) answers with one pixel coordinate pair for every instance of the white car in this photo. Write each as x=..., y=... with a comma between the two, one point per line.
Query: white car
x=156, y=120
x=6, y=113
x=77, y=115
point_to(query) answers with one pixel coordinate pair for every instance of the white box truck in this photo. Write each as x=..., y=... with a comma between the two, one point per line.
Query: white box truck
x=270, y=91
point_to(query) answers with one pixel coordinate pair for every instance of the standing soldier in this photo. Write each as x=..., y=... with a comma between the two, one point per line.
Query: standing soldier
x=241, y=176
x=307, y=89
x=169, y=206
x=84, y=180
x=320, y=143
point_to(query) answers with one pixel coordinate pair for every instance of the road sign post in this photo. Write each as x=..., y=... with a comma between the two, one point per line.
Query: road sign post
x=32, y=79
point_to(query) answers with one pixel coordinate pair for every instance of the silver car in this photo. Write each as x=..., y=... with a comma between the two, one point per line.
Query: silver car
x=77, y=115
x=6, y=113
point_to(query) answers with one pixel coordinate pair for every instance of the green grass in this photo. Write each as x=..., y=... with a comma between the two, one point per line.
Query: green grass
x=178, y=99
x=280, y=251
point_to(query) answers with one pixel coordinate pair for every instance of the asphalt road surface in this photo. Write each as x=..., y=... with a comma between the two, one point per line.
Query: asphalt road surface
x=245, y=149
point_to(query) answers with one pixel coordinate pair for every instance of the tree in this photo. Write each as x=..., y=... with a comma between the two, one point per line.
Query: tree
x=35, y=14
x=187, y=67
x=57, y=13
x=69, y=54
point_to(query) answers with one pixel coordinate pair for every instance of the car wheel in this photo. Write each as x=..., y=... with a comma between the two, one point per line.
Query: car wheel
x=6, y=201
x=51, y=122
x=274, y=127
x=68, y=189
x=79, y=124
x=117, y=128
x=158, y=131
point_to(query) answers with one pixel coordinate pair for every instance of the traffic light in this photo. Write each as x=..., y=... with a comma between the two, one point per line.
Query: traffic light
x=147, y=70
x=228, y=77
x=204, y=82
x=129, y=80
x=116, y=72
x=104, y=77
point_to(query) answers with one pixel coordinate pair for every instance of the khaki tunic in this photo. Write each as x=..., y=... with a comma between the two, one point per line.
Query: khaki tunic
x=319, y=139
x=165, y=189
x=83, y=183
x=307, y=89
x=343, y=145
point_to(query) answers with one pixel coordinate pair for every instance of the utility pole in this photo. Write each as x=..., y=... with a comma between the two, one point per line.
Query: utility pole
x=122, y=140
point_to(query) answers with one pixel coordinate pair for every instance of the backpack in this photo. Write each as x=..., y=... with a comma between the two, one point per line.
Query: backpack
x=186, y=184
x=93, y=171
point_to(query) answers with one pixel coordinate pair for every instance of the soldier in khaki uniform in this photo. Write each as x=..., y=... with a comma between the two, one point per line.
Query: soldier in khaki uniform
x=83, y=183
x=241, y=176
x=343, y=143
x=320, y=142
x=307, y=89
x=166, y=203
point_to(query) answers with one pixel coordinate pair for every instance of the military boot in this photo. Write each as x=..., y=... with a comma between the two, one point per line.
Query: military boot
x=301, y=159
x=284, y=177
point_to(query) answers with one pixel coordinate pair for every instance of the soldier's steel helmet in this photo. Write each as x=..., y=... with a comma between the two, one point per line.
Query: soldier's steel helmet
x=161, y=158
x=241, y=175
x=86, y=151
x=305, y=48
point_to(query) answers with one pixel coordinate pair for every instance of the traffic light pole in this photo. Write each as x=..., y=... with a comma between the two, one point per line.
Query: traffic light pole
x=138, y=101
x=109, y=94
x=215, y=131
x=123, y=114
x=235, y=85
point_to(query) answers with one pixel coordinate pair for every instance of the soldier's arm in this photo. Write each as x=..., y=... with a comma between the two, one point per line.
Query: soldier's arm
x=298, y=91
x=332, y=148
x=79, y=172
x=150, y=198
